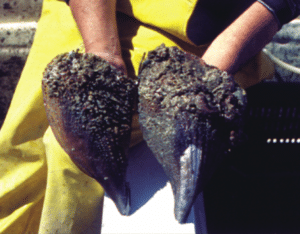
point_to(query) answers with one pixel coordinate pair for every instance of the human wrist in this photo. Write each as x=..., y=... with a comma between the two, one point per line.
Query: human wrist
x=96, y=21
x=244, y=38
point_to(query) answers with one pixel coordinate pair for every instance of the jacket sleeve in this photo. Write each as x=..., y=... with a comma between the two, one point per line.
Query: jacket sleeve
x=283, y=10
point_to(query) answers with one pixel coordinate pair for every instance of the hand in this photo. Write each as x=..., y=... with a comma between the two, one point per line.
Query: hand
x=115, y=60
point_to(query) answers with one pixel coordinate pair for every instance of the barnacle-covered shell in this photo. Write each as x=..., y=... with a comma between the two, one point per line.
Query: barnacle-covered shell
x=89, y=107
x=187, y=104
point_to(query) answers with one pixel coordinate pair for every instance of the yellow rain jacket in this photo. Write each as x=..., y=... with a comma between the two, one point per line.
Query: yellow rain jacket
x=41, y=190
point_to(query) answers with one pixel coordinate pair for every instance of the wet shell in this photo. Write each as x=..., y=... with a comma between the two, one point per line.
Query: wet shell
x=89, y=105
x=184, y=102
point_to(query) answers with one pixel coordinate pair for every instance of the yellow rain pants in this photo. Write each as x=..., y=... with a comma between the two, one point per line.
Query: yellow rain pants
x=41, y=190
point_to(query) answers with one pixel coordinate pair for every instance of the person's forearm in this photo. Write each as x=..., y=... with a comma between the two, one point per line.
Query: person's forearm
x=96, y=20
x=240, y=41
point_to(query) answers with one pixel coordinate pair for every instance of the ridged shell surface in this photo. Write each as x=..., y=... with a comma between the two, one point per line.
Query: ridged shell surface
x=89, y=104
x=187, y=104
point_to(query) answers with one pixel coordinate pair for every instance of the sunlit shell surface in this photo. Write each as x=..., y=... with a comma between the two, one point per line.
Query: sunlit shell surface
x=186, y=105
x=89, y=107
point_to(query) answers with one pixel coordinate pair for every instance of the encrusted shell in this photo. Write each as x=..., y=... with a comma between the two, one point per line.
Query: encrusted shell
x=185, y=103
x=100, y=98
x=89, y=105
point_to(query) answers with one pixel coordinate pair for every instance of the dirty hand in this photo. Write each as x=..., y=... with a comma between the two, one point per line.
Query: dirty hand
x=115, y=60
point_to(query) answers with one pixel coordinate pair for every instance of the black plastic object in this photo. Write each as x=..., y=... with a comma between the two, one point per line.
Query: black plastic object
x=257, y=188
